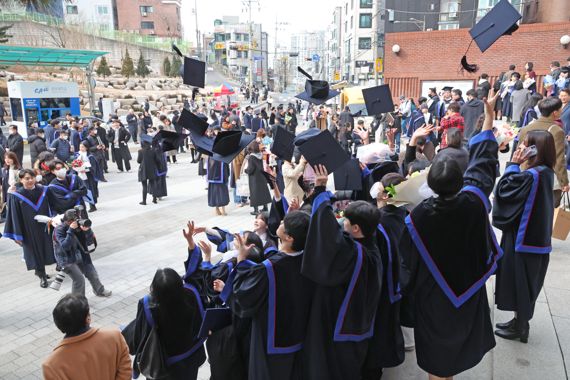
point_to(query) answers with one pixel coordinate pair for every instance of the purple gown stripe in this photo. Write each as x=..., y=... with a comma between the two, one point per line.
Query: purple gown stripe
x=268, y=250
x=525, y=219
x=147, y=313
x=394, y=294
x=512, y=169
x=477, y=191
x=194, y=258
x=483, y=136
x=338, y=335
x=285, y=204
x=228, y=287
x=221, y=180
x=35, y=206
x=320, y=199
x=272, y=349
x=9, y=235
x=457, y=301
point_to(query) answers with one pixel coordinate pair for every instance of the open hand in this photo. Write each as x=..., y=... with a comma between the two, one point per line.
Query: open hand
x=206, y=249
x=241, y=247
x=295, y=205
x=189, y=235
x=321, y=175
x=490, y=102
x=198, y=230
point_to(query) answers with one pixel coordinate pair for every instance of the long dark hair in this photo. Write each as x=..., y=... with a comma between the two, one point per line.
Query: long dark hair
x=530, y=104
x=546, y=149
x=14, y=158
x=166, y=287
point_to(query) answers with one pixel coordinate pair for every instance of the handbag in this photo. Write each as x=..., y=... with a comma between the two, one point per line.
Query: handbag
x=242, y=183
x=151, y=359
x=561, y=224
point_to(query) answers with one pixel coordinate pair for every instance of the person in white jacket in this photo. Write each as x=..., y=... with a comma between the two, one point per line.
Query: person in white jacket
x=291, y=174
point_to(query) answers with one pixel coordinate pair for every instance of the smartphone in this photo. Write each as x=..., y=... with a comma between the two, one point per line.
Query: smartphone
x=530, y=151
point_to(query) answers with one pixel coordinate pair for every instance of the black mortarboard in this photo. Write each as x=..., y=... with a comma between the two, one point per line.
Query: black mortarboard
x=228, y=144
x=306, y=135
x=323, y=149
x=447, y=88
x=269, y=178
x=283, y=146
x=193, y=70
x=168, y=140
x=348, y=176
x=214, y=320
x=499, y=21
x=383, y=168
x=316, y=91
x=378, y=100
x=197, y=128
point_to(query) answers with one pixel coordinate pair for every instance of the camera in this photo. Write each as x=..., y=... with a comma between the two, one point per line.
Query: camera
x=81, y=216
x=58, y=280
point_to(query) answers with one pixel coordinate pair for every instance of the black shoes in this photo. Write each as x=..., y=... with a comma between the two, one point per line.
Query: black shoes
x=43, y=281
x=514, y=332
x=154, y=200
x=506, y=325
x=92, y=208
x=142, y=203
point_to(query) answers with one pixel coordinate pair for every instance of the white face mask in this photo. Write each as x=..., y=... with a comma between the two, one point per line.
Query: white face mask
x=39, y=178
x=64, y=137
x=60, y=173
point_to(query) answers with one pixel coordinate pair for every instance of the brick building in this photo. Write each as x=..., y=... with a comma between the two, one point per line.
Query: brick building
x=432, y=58
x=149, y=17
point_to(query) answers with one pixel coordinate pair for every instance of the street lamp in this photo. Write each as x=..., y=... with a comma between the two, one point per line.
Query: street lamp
x=419, y=23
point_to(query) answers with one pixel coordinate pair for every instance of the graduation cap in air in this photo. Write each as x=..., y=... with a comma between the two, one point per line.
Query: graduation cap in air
x=378, y=99
x=193, y=71
x=168, y=140
x=348, y=176
x=228, y=144
x=306, y=135
x=197, y=128
x=499, y=21
x=283, y=146
x=316, y=91
x=323, y=149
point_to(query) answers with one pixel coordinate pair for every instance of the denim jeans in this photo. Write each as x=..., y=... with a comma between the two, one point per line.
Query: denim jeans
x=78, y=272
x=404, y=125
x=397, y=141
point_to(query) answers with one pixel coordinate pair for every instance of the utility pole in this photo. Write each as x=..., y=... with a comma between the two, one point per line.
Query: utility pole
x=247, y=3
x=197, y=31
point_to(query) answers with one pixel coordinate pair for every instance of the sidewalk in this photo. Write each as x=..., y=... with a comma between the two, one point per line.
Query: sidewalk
x=135, y=240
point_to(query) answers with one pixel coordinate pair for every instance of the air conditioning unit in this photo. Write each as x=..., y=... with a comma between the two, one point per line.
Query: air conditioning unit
x=144, y=14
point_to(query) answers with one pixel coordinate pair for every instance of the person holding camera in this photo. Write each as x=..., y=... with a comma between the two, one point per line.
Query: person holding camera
x=72, y=240
x=66, y=190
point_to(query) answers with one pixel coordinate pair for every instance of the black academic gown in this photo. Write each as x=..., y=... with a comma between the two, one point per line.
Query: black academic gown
x=158, y=187
x=23, y=206
x=218, y=175
x=450, y=250
x=523, y=209
x=278, y=300
x=386, y=347
x=66, y=194
x=348, y=277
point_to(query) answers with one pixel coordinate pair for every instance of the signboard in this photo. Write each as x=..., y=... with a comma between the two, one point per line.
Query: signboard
x=358, y=64
x=220, y=46
x=379, y=65
x=257, y=58
x=316, y=58
x=336, y=76
x=23, y=89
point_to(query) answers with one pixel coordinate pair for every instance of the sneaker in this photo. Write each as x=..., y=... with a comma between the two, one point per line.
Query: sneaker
x=104, y=293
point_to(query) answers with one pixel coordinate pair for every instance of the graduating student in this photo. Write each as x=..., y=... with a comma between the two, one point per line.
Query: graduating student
x=24, y=204
x=278, y=299
x=66, y=190
x=90, y=172
x=148, y=167
x=523, y=210
x=386, y=347
x=447, y=272
x=158, y=187
x=119, y=137
x=218, y=193
x=346, y=266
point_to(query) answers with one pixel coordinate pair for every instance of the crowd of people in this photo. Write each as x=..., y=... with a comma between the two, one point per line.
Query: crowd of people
x=327, y=283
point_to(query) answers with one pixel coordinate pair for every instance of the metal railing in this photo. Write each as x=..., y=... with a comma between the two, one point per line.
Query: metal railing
x=93, y=29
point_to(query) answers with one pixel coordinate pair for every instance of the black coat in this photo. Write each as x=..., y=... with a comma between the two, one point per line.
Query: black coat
x=346, y=117
x=37, y=145
x=122, y=148
x=258, y=190
x=16, y=145
x=148, y=164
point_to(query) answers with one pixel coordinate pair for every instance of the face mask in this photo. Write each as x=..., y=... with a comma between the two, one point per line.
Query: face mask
x=39, y=178
x=13, y=132
x=64, y=137
x=60, y=173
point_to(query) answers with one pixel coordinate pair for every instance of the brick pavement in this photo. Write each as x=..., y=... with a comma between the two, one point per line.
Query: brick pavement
x=135, y=240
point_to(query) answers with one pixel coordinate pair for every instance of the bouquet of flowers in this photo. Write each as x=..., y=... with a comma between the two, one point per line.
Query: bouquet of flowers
x=79, y=167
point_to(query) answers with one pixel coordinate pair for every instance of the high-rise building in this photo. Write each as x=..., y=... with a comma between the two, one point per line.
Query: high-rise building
x=159, y=18
x=333, y=49
x=308, y=50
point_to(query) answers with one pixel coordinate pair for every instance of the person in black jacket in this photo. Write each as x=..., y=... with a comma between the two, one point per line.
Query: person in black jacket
x=16, y=143
x=132, y=124
x=148, y=167
x=119, y=137
x=37, y=145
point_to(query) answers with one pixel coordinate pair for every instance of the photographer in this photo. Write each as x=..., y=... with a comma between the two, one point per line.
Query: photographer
x=71, y=240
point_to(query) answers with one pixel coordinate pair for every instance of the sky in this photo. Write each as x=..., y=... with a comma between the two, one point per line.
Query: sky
x=299, y=14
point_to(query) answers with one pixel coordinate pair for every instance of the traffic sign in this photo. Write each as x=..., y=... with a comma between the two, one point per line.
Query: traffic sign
x=379, y=65
x=316, y=58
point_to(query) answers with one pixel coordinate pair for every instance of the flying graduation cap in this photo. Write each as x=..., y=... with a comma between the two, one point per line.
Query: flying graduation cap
x=228, y=144
x=348, y=176
x=283, y=146
x=193, y=70
x=499, y=21
x=168, y=140
x=197, y=128
x=316, y=91
x=322, y=149
x=378, y=99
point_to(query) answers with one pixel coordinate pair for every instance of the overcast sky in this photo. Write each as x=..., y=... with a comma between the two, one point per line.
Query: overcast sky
x=300, y=14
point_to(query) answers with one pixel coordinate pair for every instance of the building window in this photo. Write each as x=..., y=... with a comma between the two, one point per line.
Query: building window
x=72, y=10
x=448, y=26
x=146, y=9
x=449, y=10
x=345, y=26
x=351, y=22
x=364, y=43
x=102, y=10
x=346, y=8
x=147, y=24
x=245, y=53
x=238, y=36
x=365, y=3
x=246, y=37
x=351, y=4
x=365, y=20
x=228, y=36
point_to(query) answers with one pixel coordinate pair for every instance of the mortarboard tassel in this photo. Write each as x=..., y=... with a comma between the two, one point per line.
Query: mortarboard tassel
x=175, y=48
x=304, y=73
x=470, y=68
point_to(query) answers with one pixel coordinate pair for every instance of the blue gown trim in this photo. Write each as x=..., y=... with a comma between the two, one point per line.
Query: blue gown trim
x=323, y=197
x=193, y=259
x=527, y=214
x=12, y=236
x=229, y=285
x=456, y=300
x=221, y=180
x=35, y=206
x=272, y=349
x=338, y=335
x=483, y=136
x=393, y=294
x=477, y=191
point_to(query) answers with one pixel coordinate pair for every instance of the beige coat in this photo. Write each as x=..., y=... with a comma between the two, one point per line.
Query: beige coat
x=98, y=354
x=544, y=124
x=290, y=177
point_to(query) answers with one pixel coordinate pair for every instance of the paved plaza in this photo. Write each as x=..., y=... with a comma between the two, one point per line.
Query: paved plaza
x=135, y=240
